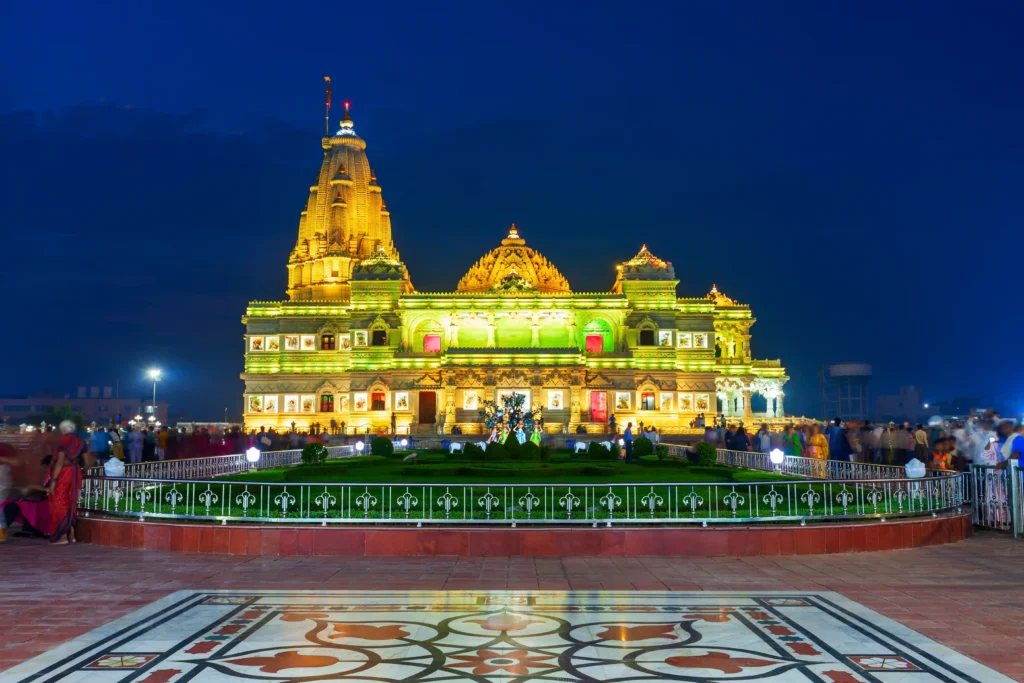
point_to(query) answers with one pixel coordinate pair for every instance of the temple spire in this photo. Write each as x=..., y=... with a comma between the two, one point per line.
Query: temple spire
x=346, y=121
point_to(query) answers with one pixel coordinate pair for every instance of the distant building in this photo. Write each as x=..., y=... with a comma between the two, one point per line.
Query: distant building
x=97, y=404
x=844, y=391
x=907, y=406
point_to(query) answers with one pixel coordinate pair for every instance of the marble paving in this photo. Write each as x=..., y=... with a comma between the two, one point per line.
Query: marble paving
x=509, y=636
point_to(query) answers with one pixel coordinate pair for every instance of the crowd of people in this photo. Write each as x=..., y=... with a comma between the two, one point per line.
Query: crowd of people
x=40, y=479
x=985, y=439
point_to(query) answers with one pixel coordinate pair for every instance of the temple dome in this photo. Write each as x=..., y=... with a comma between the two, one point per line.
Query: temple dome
x=513, y=267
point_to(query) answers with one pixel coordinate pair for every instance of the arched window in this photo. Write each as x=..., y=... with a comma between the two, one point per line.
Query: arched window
x=327, y=403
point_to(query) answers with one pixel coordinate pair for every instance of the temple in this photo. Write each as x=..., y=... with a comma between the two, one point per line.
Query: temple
x=357, y=348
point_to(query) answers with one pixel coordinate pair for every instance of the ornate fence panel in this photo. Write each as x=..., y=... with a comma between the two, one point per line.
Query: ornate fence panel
x=992, y=493
x=216, y=465
x=1017, y=498
x=657, y=503
x=809, y=468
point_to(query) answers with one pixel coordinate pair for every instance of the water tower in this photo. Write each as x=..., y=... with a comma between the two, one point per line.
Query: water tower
x=844, y=390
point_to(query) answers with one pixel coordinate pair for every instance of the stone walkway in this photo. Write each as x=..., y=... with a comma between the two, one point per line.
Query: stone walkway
x=967, y=596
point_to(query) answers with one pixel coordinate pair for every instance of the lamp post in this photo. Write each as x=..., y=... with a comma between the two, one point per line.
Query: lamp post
x=154, y=374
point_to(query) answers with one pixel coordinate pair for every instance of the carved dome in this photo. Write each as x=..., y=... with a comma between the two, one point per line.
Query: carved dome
x=380, y=266
x=647, y=266
x=529, y=270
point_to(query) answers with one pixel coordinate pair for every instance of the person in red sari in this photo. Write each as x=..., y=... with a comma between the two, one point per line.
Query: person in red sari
x=64, y=483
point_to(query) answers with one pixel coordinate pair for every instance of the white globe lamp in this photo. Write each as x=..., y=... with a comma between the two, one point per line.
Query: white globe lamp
x=252, y=456
x=404, y=443
x=359, y=446
x=777, y=457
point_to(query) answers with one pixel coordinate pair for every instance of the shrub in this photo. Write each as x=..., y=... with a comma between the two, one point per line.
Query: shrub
x=661, y=450
x=472, y=452
x=545, y=453
x=381, y=446
x=706, y=454
x=314, y=453
x=512, y=445
x=496, y=452
x=597, y=470
x=616, y=451
x=642, y=447
x=529, y=451
x=598, y=451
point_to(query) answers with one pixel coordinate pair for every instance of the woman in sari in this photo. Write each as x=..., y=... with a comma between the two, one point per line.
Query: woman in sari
x=65, y=481
x=817, y=447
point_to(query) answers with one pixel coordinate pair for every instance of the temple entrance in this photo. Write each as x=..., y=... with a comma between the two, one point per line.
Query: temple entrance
x=599, y=406
x=428, y=407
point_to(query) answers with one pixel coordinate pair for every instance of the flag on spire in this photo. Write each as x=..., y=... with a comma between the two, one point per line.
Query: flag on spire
x=327, y=116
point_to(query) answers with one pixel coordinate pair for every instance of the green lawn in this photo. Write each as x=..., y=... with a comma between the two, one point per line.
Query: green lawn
x=439, y=468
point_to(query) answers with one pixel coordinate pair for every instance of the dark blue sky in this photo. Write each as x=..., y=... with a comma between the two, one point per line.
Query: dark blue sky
x=851, y=170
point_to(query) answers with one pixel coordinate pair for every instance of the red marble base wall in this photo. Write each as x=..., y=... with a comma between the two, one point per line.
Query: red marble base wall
x=614, y=542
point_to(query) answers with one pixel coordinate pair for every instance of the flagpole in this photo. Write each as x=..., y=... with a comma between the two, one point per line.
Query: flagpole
x=327, y=115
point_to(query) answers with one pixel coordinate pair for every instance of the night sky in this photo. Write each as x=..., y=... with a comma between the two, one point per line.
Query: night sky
x=853, y=171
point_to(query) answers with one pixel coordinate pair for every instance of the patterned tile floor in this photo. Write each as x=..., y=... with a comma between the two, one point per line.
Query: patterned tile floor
x=385, y=636
x=965, y=596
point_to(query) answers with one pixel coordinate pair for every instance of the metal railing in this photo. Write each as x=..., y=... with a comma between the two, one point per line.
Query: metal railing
x=215, y=465
x=655, y=503
x=998, y=496
x=816, y=468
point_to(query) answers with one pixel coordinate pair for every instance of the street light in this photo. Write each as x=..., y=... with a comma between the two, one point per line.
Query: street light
x=154, y=374
x=252, y=456
x=777, y=456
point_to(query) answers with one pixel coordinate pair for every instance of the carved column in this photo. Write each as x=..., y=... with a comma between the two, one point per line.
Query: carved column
x=779, y=410
x=576, y=388
x=573, y=341
x=534, y=334
x=448, y=381
x=453, y=334
x=490, y=330
x=748, y=413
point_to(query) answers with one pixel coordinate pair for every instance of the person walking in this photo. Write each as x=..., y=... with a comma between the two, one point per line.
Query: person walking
x=740, y=440
x=116, y=446
x=161, y=443
x=64, y=483
x=627, y=442
x=837, y=446
x=791, y=441
x=921, y=443
x=763, y=440
x=148, y=446
x=100, y=445
x=135, y=445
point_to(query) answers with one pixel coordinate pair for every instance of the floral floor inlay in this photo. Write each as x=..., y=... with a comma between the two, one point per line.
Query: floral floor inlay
x=564, y=637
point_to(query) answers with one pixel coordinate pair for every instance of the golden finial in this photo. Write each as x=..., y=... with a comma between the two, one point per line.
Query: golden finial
x=714, y=288
x=513, y=231
x=373, y=176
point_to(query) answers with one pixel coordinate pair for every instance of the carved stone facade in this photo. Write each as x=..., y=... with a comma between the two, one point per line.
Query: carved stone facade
x=357, y=348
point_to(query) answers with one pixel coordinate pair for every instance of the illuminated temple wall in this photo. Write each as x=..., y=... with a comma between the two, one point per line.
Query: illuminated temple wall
x=357, y=346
